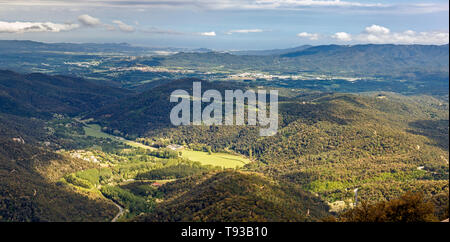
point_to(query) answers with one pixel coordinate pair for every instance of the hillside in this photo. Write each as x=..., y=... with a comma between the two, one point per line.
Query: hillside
x=232, y=196
x=149, y=110
x=392, y=143
x=30, y=167
x=327, y=144
x=29, y=191
x=42, y=95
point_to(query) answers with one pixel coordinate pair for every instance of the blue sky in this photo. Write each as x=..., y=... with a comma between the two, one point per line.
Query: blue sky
x=227, y=24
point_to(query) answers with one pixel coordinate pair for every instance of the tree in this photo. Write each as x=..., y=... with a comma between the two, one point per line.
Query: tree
x=408, y=208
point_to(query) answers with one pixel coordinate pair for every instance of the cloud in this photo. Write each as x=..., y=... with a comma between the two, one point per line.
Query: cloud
x=197, y=3
x=24, y=27
x=90, y=21
x=381, y=35
x=376, y=34
x=154, y=30
x=309, y=36
x=245, y=31
x=208, y=34
x=162, y=31
x=335, y=5
x=342, y=36
x=376, y=29
x=124, y=27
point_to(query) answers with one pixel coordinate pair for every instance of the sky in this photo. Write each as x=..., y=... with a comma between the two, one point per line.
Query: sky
x=227, y=24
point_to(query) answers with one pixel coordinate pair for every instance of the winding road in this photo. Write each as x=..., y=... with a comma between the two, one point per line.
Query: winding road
x=121, y=212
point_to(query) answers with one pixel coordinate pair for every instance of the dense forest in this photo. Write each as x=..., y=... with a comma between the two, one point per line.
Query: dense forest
x=232, y=196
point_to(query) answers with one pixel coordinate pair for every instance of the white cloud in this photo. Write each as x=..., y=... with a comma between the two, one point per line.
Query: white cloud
x=208, y=34
x=154, y=30
x=310, y=36
x=381, y=35
x=159, y=31
x=222, y=4
x=376, y=29
x=342, y=36
x=109, y=27
x=376, y=34
x=124, y=27
x=245, y=31
x=90, y=21
x=319, y=5
x=23, y=27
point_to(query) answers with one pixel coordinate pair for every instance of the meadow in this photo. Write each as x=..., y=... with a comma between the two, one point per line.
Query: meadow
x=216, y=159
x=95, y=130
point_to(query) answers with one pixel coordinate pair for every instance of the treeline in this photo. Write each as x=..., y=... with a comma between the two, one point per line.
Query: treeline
x=409, y=208
x=134, y=204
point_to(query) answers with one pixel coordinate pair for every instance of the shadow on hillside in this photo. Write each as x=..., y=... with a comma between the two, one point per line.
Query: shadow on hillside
x=436, y=130
x=25, y=195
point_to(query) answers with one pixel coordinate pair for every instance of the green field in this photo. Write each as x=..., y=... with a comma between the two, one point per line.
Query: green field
x=95, y=130
x=216, y=159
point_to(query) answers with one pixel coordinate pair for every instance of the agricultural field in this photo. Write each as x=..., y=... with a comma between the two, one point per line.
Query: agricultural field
x=127, y=173
x=216, y=159
x=94, y=130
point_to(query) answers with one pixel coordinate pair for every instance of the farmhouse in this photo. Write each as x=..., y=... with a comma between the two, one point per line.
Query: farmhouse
x=175, y=147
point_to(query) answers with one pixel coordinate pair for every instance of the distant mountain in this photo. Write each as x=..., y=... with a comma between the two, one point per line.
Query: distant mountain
x=389, y=60
x=26, y=45
x=8, y=46
x=270, y=52
x=41, y=95
x=373, y=58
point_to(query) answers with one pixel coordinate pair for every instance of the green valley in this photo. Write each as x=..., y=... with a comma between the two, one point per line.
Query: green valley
x=101, y=147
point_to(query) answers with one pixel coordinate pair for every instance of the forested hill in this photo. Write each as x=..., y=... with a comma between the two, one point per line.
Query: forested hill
x=41, y=95
x=232, y=196
x=150, y=110
x=28, y=175
x=393, y=143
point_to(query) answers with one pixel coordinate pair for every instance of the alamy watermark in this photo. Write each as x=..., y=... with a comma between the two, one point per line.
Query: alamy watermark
x=235, y=107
